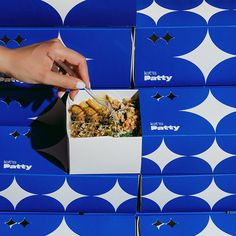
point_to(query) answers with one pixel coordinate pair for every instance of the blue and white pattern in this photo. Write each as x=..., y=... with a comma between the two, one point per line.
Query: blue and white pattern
x=13, y=224
x=162, y=11
x=58, y=193
x=196, y=193
x=185, y=34
x=192, y=224
x=205, y=137
x=51, y=13
x=108, y=51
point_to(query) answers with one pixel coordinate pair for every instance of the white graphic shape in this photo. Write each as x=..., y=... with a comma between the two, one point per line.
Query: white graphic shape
x=116, y=196
x=212, y=194
x=62, y=7
x=212, y=229
x=14, y=193
x=162, y=155
x=63, y=230
x=161, y=195
x=155, y=11
x=206, y=56
x=214, y=155
x=206, y=10
x=65, y=195
x=212, y=110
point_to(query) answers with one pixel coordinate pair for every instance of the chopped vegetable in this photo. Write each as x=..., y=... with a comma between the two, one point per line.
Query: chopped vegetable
x=90, y=119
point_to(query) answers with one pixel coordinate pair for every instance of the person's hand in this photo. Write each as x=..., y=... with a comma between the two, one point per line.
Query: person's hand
x=33, y=64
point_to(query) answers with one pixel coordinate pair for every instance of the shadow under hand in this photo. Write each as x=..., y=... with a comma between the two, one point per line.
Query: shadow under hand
x=25, y=97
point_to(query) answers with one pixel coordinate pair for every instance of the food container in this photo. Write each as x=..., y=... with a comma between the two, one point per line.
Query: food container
x=103, y=155
x=185, y=43
x=50, y=224
x=78, y=13
x=37, y=191
x=184, y=127
x=193, y=223
x=107, y=50
x=188, y=162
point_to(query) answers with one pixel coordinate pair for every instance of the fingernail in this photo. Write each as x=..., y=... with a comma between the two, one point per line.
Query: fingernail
x=80, y=85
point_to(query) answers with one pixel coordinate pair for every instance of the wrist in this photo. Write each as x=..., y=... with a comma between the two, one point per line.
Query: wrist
x=6, y=56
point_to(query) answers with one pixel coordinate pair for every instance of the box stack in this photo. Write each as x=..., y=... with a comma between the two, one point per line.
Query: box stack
x=188, y=172
x=38, y=193
x=178, y=176
x=185, y=43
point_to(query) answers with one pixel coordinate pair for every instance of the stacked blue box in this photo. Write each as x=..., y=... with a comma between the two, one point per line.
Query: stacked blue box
x=13, y=224
x=22, y=190
x=34, y=146
x=189, y=150
x=34, y=162
x=73, y=13
x=187, y=224
x=184, y=43
x=108, y=51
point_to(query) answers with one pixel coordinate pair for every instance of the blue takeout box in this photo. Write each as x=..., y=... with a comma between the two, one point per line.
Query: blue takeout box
x=188, y=149
x=183, y=43
x=188, y=193
x=73, y=13
x=188, y=130
x=34, y=163
x=107, y=50
x=23, y=191
x=181, y=127
x=39, y=224
x=189, y=224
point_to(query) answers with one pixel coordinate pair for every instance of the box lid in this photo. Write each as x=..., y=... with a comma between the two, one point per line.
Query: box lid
x=194, y=13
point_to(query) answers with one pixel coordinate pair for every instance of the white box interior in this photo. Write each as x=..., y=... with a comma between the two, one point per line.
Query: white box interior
x=104, y=155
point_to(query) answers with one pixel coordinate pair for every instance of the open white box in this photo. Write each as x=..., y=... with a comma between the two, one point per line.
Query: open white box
x=104, y=155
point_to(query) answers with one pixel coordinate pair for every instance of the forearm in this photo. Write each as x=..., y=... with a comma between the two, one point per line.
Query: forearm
x=5, y=60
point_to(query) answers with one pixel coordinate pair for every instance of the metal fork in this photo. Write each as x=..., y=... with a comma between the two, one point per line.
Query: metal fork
x=60, y=65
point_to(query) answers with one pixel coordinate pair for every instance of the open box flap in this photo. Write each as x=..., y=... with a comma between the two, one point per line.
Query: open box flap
x=52, y=127
x=42, y=143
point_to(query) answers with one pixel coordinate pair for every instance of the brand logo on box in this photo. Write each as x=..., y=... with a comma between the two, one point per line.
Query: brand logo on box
x=153, y=76
x=15, y=165
x=161, y=127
